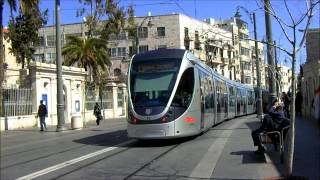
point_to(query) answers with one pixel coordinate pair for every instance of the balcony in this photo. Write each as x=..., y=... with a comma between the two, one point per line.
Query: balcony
x=216, y=60
x=117, y=79
x=225, y=61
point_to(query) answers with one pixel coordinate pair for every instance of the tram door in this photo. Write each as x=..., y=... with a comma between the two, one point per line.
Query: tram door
x=202, y=97
x=205, y=102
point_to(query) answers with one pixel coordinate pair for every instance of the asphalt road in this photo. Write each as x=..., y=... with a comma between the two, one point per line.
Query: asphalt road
x=105, y=152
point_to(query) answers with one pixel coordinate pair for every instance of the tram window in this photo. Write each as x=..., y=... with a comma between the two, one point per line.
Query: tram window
x=184, y=92
x=152, y=89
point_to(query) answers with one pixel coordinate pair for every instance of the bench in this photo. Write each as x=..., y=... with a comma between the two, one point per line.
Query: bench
x=272, y=137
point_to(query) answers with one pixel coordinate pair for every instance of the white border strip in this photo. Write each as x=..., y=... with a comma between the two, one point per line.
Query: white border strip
x=70, y=162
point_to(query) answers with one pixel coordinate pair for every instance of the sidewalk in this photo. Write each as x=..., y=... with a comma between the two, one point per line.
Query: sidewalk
x=52, y=129
x=306, y=161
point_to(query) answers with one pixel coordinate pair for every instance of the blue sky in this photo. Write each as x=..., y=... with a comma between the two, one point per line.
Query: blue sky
x=200, y=9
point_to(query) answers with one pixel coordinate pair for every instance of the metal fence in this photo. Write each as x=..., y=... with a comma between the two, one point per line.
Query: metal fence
x=15, y=102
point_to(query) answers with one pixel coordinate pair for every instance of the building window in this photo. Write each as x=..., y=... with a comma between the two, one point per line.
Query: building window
x=186, y=39
x=143, y=49
x=196, y=42
x=229, y=54
x=38, y=57
x=113, y=52
x=221, y=52
x=142, y=32
x=247, y=80
x=42, y=41
x=122, y=36
x=186, y=32
x=244, y=51
x=161, y=31
x=121, y=51
x=130, y=51
x=162, y=46
x=244, y=37
x=118, y=52
x=120, y=97
x=51, y=57
x=117, y=72
x=51, y=40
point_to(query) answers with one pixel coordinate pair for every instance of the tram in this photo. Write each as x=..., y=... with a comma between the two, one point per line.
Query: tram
x=173, y=94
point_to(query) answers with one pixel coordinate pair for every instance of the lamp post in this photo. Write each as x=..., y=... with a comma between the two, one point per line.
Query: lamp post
x=60, y=101
x=259, y=94
x=272, y=83
x=259, y=103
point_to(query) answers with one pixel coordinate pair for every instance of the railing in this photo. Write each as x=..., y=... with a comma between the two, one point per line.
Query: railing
x=15, y=102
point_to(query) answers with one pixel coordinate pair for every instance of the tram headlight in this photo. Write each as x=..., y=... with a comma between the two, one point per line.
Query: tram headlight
x=164, y=119
x=132, y=119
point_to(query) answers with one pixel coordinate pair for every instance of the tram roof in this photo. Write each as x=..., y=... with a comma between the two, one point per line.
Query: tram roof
x=160, y=54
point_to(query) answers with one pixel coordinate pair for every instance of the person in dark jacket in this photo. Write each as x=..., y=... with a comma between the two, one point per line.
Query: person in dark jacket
x=275, y=120
x=285, y=98
x=97, y=113
x=298, y=102
x=42, y=113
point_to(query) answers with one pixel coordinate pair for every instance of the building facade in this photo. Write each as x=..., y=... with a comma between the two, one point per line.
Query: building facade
x=311, y=70
x=223, y=45
x=11, y=70
x=19, y=103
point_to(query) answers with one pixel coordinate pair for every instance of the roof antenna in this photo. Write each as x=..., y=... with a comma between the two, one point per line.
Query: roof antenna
x=195, y=9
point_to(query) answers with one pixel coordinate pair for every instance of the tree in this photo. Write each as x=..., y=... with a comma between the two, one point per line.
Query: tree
x=23, y=34
x=90, y=54
x=25, y=6
x=92, y=19
x=290, y=30
x=115, y=22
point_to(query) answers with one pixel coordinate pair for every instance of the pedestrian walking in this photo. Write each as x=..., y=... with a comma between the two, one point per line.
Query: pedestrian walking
x=316, y=105
x=42, y=113
x=298, y=103
x=97, y=113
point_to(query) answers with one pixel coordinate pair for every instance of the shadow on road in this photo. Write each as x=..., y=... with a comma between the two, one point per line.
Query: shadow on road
x=105, y=139
x=117, y=137
x=248, y=157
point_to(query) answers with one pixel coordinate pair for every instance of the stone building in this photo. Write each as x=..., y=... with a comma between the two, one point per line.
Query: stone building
x=223, y=45
x=19, y=100
x=311, y=70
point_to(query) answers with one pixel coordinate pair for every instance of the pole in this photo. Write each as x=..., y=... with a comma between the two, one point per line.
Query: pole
x=60, y=103
x=276, y=70
x=259, y=103
x=1, y=45
x=137, y=41
x=272, y=82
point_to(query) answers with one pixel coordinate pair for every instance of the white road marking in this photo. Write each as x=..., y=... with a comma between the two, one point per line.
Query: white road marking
x=205, y=167
x=72, y=161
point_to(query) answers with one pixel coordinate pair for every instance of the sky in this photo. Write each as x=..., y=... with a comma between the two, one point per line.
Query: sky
x=201, y=9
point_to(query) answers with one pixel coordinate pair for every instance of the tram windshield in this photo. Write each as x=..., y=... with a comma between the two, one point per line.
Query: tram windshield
x=152, y=82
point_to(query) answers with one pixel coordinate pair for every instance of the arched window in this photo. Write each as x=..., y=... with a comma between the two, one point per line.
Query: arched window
x=117, y=72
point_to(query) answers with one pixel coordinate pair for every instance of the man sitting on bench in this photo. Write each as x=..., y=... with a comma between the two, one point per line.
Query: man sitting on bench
x=275, y=120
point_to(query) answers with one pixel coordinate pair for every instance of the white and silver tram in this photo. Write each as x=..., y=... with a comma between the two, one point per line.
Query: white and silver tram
x=173, y=94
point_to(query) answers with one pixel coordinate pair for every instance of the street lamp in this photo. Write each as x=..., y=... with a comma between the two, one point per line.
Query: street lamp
x=259, y=102
x=60, y=101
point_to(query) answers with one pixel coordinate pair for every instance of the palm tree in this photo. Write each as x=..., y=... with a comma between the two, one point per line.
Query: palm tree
x=90, y=54
x=25, y=6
